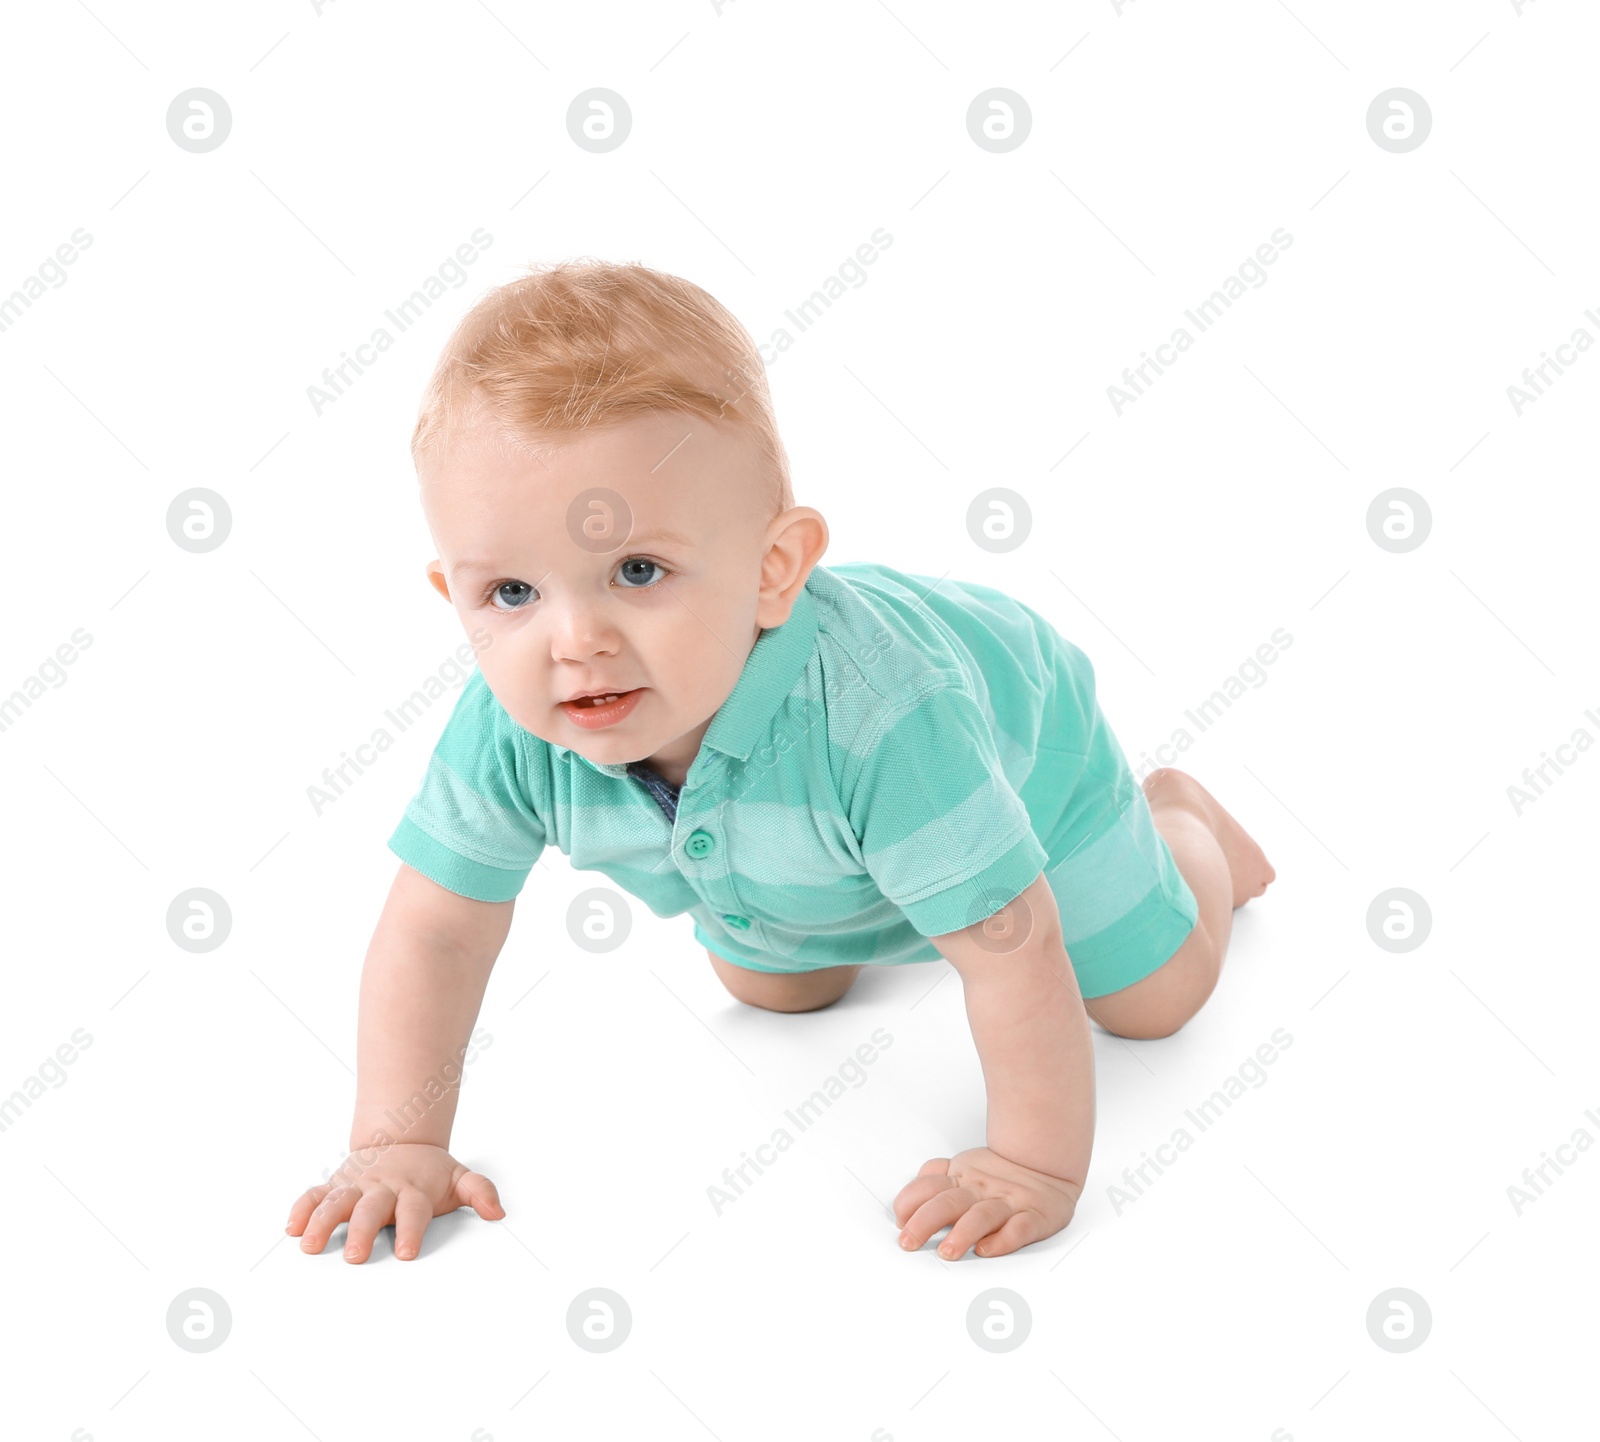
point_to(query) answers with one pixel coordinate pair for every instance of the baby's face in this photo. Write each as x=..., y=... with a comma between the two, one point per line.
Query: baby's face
x=559, y=548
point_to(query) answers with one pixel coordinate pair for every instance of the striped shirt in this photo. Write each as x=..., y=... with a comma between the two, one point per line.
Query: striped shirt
x=899, y=759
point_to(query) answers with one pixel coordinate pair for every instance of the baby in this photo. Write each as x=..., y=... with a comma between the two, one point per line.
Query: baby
x=826, y=767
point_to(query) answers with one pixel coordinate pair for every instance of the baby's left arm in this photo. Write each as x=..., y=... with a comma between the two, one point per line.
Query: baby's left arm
x=1032, y=1034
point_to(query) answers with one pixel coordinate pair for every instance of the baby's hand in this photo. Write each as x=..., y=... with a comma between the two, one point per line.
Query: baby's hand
x=407, y=1183
x=990, y=1204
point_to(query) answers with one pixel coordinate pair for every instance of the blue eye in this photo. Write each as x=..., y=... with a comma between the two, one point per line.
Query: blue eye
x=635, y=574
x=632, y=561
x=499, y=594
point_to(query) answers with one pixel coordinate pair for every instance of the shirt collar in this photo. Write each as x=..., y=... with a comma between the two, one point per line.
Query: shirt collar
x=770, y=671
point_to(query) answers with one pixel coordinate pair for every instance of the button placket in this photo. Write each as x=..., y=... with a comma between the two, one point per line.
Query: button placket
x=695, y=855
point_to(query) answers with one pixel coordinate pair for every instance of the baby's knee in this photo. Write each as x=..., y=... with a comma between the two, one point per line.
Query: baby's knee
x=1143, y=1026
x=784, y=991
x=1162, y=1002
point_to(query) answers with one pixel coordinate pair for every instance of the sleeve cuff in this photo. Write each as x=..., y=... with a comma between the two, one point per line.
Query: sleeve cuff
x=451, y=870
x=1001, y=882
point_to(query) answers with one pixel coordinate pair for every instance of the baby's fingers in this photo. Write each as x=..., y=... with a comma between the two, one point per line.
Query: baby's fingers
x=305, y=1204
x=973, y=1225
x=929, y=1182
x=479, y=1193
x=1019, y=1231
x=372, y=1213
x=333, y=1209
x=412, y=1213
x=940, y=1210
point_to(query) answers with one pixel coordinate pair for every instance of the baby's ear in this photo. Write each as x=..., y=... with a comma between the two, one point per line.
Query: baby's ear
x=436, y=576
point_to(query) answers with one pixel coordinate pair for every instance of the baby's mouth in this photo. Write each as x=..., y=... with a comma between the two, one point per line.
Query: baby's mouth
x=606, y=710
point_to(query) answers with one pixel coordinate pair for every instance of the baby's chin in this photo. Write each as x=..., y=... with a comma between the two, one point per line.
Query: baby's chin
x=605, y=747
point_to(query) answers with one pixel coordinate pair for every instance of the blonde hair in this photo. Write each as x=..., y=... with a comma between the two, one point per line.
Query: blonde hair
x=589, y=343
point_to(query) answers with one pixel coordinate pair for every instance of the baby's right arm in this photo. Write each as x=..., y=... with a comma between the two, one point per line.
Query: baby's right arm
x=421, y=987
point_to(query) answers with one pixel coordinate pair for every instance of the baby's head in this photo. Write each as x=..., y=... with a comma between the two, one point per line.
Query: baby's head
x=602, y=474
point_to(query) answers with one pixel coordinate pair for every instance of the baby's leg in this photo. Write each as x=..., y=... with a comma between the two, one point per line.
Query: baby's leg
x=785, y=991
x=1224, y=869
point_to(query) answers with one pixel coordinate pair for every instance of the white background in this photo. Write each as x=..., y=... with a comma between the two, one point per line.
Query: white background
x=1230, y=1299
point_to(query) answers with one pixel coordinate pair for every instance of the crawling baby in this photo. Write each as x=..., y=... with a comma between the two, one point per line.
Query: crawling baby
x=826, y=767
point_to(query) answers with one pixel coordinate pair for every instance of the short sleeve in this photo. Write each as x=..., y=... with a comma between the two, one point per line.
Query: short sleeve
x=471, y=827
x=942, y=832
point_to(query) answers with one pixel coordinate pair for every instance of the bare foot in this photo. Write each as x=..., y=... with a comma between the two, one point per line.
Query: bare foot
x=1247, y=862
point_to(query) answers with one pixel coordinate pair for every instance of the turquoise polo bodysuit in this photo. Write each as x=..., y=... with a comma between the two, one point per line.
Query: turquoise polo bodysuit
x=899, y=759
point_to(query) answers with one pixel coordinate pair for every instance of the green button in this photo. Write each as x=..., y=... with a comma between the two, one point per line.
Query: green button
x=700, y=843
x=742, y=922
